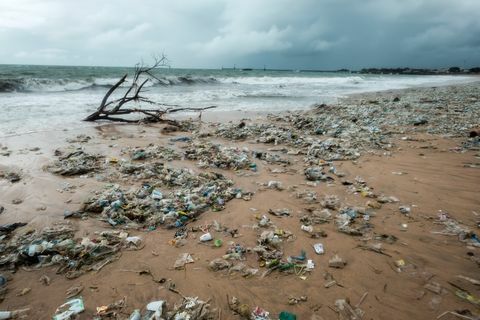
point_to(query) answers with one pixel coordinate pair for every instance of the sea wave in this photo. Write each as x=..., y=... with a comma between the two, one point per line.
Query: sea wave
x=59, y=85
x=285, y=81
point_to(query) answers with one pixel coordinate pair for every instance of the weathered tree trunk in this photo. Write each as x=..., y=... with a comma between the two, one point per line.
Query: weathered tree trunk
x=113, y=110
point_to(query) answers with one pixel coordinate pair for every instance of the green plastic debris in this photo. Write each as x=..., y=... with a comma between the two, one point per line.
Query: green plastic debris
x=284, y=315
x=467, y=297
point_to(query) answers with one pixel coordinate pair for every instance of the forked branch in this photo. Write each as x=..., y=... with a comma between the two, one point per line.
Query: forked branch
x=114, y=109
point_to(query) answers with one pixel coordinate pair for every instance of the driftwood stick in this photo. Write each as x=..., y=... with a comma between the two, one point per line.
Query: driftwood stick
x=113, y=110
x=100, y=109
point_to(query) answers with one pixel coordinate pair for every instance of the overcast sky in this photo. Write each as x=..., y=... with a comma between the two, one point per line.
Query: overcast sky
x=299, y=34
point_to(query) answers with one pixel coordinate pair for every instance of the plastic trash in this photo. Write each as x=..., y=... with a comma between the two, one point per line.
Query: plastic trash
x=181, y=139
x=405, y=209
x=284, y=315
x=69, y=309
x=182, y=260
x=301, y=257
x=135, y=240
x=206, y=237
x=219, y=264
x=318, y=247
x=280, y=212
x=274, y=185
x=264, y=221
x=305, y=228
x=337, y=262
x=157, y=195
x=157, y=308
x=310, y=264
x=3, y=280
x=5, y=315
x=467, y=297
x=135, y=315
x=260, y=314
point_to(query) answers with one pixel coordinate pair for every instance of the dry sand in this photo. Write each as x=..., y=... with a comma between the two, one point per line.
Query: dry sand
x=432, y=178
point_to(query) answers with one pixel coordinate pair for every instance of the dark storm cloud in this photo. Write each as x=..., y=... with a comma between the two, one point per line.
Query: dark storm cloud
x=278, y=33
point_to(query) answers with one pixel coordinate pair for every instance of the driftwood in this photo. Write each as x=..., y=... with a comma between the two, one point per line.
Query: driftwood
x=113, y=110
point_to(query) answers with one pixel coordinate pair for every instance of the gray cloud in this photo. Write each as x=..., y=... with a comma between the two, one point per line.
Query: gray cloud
x=324, y=34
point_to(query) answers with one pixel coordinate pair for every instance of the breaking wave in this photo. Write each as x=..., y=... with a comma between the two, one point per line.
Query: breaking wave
x=59, y=85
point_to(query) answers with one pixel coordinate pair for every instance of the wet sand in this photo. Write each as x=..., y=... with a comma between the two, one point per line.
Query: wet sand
x=424, y=172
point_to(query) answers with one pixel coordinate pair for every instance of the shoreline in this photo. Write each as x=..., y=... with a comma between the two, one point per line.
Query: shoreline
x=238, y=114
x=415, y=150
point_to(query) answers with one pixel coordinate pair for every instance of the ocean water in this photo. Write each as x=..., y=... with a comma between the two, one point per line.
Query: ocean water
x=41, y=98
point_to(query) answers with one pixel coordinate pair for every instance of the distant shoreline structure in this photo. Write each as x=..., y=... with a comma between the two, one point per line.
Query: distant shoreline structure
x=404, y=71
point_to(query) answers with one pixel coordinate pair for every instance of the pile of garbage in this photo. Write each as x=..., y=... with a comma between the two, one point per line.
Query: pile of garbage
x=75, y=163
x=11, y=176
x=314, y=216
x=354, y=221
x=216, y=156
x=346, y=130
x=333, y=149
x=232, y=261
x=347, y=221
x=152, y=151
x=256, y=313
x=81, y=138
x=316, y=173
x=190, y=308
x=270, y=254
x=57, y=246
x=472, y=143
x=432, y=111
x=271, y=158
x=187, y=195
x=452, y=227
x=269, y=251
x=263, y=132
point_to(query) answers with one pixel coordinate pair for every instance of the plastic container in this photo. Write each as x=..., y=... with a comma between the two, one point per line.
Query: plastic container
x=206, y=237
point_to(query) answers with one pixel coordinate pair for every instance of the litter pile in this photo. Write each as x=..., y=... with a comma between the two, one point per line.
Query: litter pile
x=57, y=246
x=453, y=228
x=330, y=148
x=333, y=149
x=75, y=163
x=81, y=138
x=9, y=175
x=472, y=143
x=187, y=195
x=264, y=133
x=152, y=151
x=245, y=311
x=346, y=130
x=271, y=158
x=216, y=156
x=190, y=308
x=269, y=251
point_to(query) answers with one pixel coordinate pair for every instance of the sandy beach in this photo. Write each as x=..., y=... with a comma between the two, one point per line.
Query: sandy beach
x=388, y=181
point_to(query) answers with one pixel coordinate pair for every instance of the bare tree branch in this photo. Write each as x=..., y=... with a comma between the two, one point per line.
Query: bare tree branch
x=112, y=110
